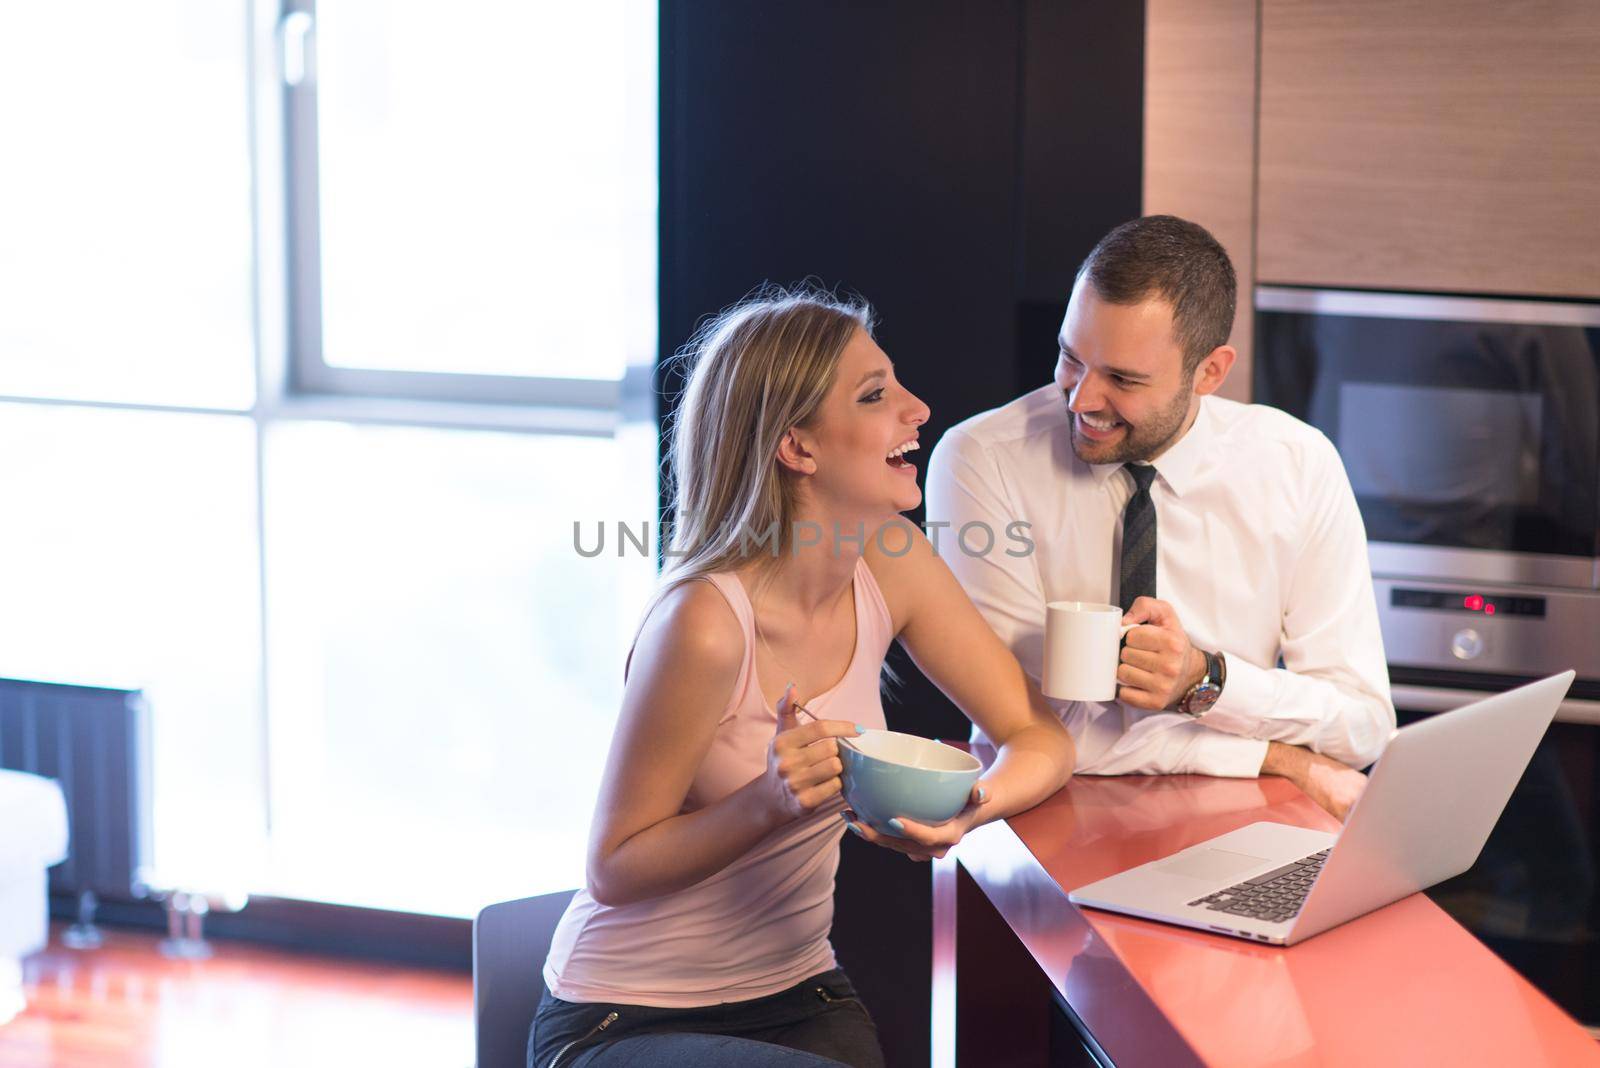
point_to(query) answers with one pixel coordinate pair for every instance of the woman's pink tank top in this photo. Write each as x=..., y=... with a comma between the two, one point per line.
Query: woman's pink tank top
x=761, y=924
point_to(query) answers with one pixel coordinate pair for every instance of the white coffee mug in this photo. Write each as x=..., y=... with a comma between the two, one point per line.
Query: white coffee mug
x=1082, y=648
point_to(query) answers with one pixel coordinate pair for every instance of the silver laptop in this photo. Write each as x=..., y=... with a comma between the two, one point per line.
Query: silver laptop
x=1431, y=801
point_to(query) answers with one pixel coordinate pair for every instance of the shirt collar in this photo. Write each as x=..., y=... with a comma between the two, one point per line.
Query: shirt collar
x=1179, y=466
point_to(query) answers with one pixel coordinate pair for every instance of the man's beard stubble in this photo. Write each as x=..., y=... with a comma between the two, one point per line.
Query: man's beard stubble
x=1138, y=443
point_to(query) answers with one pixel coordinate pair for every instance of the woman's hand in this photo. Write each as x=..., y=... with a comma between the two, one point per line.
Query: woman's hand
x=924, y=841
x=803, y=765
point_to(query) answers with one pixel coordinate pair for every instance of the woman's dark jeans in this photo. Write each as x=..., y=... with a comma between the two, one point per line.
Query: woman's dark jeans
x=815, y=1023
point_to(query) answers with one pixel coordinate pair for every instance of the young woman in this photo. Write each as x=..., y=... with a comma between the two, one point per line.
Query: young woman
x=702, y=935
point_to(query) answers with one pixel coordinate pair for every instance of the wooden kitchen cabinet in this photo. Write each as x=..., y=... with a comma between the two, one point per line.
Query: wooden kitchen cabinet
x=1419, y=145
x=1199, y=136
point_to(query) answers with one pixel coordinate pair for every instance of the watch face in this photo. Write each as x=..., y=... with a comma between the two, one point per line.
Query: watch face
x=1201, y=698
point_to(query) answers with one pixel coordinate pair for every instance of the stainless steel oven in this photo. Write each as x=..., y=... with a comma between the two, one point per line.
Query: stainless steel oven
x=1470, y=429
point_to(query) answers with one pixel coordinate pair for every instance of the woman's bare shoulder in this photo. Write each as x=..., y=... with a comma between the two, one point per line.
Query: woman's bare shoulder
x=693, y=628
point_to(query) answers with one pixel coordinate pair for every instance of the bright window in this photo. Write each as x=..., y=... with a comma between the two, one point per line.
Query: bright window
x=487, y=186
x=128, y=559
x=445, y=666
x=125, y=252
x=333, y=537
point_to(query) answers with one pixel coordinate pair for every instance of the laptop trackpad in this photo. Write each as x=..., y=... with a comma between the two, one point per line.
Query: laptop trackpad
x=1210, y=864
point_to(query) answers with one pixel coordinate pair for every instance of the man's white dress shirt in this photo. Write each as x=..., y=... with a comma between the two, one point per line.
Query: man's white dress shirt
x=1260, y=550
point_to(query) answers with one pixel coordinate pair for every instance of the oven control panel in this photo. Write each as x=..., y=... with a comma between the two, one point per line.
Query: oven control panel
x=1483, y=603
x=1494, y=629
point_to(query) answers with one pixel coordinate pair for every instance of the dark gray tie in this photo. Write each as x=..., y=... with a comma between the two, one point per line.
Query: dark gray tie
x=1136, y=571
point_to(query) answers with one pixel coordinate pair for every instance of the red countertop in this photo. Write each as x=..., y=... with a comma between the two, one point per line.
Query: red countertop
x=1405, y=985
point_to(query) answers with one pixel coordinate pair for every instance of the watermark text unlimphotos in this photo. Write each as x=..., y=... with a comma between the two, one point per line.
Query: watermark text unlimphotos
x=976, y=538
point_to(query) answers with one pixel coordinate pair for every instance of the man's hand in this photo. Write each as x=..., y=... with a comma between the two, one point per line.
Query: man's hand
x=1327, y=782
x=1159, y=663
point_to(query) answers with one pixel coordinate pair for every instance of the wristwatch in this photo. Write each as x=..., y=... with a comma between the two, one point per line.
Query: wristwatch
x=1203, y=694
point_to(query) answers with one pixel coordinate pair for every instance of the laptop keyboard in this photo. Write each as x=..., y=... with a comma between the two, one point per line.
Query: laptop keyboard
x=1274, y=897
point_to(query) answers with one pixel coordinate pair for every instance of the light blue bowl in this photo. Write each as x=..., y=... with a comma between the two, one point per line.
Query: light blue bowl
x=888, y=775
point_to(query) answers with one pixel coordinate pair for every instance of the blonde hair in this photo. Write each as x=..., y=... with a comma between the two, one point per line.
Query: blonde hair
x=754, y=371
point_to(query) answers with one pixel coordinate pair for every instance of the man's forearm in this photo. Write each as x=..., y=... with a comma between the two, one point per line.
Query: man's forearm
x=1289, y=761
x=1332, y=785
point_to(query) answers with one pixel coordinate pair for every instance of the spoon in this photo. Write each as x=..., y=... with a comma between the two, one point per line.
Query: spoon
x=798, y=707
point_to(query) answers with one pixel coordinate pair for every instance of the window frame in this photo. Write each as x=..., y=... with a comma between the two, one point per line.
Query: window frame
x=528, y=402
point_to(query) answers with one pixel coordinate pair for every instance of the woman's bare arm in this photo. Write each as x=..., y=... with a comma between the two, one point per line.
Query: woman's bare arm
x=950, y=642
x=681, y=677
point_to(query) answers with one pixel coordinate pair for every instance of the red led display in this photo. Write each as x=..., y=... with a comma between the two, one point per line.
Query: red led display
x=1462, y=601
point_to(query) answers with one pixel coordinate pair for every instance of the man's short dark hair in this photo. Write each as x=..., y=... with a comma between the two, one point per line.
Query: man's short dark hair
x=1178, y=261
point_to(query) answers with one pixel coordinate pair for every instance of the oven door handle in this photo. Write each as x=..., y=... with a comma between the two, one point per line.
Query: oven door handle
x=1444, y=699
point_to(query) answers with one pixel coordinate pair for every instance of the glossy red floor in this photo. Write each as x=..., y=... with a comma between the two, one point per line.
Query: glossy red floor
x=126, y=1005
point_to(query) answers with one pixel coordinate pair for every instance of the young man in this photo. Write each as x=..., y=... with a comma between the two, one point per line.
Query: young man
x=1229, y=531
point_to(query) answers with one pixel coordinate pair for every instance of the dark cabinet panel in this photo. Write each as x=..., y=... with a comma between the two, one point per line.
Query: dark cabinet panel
x=1082, y=119
x=870, y=146
x=952, y=162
